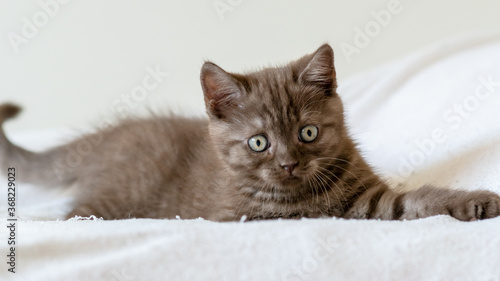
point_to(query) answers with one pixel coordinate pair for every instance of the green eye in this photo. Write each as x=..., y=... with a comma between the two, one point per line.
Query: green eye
x=258, y=143
x=308, y=134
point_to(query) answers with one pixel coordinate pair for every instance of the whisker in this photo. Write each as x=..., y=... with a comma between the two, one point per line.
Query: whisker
x=346, y=170
x=338, y=188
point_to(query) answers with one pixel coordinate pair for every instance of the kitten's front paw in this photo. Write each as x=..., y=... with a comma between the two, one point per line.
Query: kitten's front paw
x=476, y=205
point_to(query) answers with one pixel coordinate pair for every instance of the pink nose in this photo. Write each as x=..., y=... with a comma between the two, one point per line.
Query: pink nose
x=289, y=167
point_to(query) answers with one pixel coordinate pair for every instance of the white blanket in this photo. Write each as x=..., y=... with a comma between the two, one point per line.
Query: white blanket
x=430, y=118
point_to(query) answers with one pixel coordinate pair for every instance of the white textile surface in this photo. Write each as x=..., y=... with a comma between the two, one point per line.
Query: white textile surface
x=433, y=117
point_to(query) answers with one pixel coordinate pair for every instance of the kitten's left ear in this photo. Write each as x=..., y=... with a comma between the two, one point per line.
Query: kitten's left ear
x=320, y=70
x=222, y=91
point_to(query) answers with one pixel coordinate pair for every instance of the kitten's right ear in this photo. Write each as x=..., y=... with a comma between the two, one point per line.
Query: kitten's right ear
x=221, y=90
x=318, y=69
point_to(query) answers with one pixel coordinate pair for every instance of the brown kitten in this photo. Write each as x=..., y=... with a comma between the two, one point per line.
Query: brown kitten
x=275, y=146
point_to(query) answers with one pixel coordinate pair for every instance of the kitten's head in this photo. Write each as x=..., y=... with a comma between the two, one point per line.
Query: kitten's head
x=278, y=129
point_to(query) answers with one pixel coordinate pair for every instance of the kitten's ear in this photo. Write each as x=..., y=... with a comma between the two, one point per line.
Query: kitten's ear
x=319, y=70
x=221, y=90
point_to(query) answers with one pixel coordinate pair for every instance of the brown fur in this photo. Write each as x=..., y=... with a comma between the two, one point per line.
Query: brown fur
x=164, y=167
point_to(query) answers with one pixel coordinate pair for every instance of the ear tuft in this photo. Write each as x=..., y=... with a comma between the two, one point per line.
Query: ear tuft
x=320, y=70
x=220, y=89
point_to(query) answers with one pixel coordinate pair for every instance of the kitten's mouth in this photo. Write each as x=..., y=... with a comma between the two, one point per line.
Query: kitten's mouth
x=288, y=183
x=291, y=179
x=287, y=189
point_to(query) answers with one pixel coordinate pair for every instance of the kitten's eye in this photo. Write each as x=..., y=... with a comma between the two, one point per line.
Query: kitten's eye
x=258, y=143
x=308, y=134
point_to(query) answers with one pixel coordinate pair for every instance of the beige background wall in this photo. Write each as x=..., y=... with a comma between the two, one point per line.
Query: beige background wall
x=72, y=62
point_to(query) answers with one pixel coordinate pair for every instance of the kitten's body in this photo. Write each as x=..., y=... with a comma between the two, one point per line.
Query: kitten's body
x=165, y=167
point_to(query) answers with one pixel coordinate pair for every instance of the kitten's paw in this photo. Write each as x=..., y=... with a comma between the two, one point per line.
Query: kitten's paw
x=476, y=205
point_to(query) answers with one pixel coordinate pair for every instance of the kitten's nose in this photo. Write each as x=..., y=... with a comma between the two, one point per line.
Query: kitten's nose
x=289, y=167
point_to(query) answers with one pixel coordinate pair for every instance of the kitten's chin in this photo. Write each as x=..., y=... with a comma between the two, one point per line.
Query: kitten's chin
x=291, y=189
x=282, y=183
x=289, y=183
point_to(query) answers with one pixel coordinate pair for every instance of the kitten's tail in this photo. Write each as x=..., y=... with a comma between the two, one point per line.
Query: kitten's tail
x=29, y=166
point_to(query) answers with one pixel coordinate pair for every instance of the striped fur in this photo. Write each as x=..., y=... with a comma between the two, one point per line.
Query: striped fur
x=163, y=167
